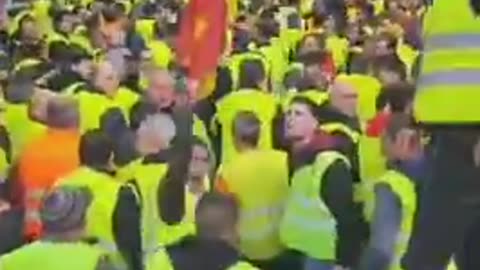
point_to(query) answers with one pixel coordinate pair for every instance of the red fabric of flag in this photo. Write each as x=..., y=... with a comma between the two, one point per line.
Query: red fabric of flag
x=202, y=36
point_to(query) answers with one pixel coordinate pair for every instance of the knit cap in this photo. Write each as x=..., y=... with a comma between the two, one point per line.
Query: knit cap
x=65, y=209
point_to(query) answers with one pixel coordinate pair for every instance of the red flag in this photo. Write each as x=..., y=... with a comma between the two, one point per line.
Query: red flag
x=202, y=36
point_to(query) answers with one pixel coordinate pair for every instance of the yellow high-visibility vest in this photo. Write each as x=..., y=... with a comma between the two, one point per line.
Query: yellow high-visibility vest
x=21, y=129
x=448, y=83
x=53, y=256
x=262, y=104
x=404, y=189
x=259, y=215
x=308, y=225
x=104, y=189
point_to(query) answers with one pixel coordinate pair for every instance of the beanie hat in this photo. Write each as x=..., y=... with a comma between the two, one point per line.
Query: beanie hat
x=64, y=209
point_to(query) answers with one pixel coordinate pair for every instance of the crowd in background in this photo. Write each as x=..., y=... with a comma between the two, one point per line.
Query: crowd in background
x=299, y=152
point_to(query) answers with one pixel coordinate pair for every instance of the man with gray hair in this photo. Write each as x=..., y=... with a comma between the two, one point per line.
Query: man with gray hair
x=156, y=132
x=165, y=141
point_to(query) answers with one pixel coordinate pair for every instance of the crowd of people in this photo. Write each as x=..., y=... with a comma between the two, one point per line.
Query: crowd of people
x=301, y=152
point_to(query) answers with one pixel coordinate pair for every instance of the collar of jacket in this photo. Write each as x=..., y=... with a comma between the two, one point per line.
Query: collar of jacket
x=306, y=154
x=193, y=253
x=109, y=172
x=331, y=114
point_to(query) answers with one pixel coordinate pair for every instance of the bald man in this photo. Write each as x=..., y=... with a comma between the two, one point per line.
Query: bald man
x=339, y=118
x=344, y=97
x=161, y=90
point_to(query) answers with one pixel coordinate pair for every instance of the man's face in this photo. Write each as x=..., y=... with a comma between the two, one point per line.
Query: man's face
x=344, y=98
x=107, y=79
x=199, y=163
x=315, y=74
x=405, y=146
x=299, y=122
x=84, y=68
x=161, y=89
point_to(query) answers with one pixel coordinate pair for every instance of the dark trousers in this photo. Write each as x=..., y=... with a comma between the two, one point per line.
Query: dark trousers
x=449, y=207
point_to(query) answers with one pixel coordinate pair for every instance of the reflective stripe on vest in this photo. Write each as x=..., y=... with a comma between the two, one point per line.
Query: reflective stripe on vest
x=255, y=214
x=307, y=221
x=107, y=246
x=312, y=225
x=451, y=77
x=452, y=41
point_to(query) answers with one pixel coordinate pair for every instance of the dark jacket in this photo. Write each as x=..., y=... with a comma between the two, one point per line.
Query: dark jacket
x=344, y=143
x=193, y=253
x=62, y=80
x=126, y=218
x=11, y=230
x=337, y=193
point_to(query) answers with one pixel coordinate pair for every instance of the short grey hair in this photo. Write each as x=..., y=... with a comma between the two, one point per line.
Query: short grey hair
x=62, y=112
x=160, y=125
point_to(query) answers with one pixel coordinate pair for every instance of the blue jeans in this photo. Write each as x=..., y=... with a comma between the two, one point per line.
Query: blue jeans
x=315, y=264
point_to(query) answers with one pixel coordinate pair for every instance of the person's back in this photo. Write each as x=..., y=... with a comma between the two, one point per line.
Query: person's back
x=445, y=103
x=49, y=157
x=213, y=247
x=448, y=81
x=114, y=209
x=250, y=97
x=252, y=172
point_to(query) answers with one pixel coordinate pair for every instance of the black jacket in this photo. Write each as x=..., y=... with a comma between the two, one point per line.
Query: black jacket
x=11, y=230
x=193, y=253
x=62, y=80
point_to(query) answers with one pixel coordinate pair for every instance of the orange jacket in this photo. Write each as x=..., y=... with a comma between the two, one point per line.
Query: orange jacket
x=43, y=161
